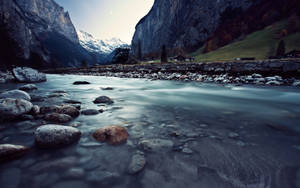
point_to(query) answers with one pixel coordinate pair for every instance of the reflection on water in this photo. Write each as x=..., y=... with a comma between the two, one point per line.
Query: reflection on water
x=198, y=118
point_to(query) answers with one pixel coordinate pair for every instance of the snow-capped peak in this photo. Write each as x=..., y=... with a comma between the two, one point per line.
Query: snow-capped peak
x=99, y=46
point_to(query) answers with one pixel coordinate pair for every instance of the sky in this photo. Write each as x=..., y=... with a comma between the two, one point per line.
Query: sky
x=105, y=19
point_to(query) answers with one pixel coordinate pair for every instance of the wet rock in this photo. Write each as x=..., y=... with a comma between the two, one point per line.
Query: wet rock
x=15, y=94
x=28, y=75
x=187, y=150
x=256, y=76
x=9, y=151
x=156, y=144
x=72, y=102
x=273, y=83
x=90, y=112
x=37, y=98
x=233, y=135
x=35, y=110
x=28, y=87
x=107, y=88
x=49, y=136
x=69, y=110
x=49, y=109
x=58, y=118
x=81, y=83
x=112, y=134
x=104, y=100
x=77, y=106
x=296, y=84
x=137, y=164
x=12, y=108
x=10, y=178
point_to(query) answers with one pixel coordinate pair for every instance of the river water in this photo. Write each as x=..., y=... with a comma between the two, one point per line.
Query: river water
x=222, y=136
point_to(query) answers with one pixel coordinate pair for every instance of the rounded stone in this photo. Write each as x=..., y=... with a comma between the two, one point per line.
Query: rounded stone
x=69, y=110
x=51, y=136
x=16, y=94
x=81, y=83
x=111, y=134
x=28, y=87
x=13, y=108
x=10, y=151
x=104, y=100
x=90, y=112
x=58, y=118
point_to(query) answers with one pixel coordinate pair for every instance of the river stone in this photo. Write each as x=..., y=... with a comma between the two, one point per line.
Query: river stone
x=58, y=118
x=16, y=94
x=35, y=110
x=28, y=75
x=137, y=164
x=90, y=112
x=112, y=134
x=103, y=99
x=9, y=151
x=12, y=108
x=28, y=87
x=81, y=83
x=49, y=109
x=51, y=136
x=156, y=144
x=69, y=110
x=296, y=84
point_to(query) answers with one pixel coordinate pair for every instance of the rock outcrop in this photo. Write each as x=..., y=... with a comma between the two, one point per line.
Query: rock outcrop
x=180, y=24
x=30, y=28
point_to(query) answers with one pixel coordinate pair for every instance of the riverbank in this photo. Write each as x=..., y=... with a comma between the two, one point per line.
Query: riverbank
x=267, y=72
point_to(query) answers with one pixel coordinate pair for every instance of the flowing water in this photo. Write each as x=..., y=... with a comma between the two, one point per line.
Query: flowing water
x=222, y=136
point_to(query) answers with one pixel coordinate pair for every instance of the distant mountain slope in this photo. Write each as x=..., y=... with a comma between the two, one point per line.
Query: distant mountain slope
x=27, y=26
x=260, y=44
x=100, y=48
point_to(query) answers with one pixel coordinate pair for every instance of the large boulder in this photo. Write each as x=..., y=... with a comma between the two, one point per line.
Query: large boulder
x=13, y=108
x=112, y=134
x=15, y=94
x=52, y=136
x=28, y=75
x=9, y=151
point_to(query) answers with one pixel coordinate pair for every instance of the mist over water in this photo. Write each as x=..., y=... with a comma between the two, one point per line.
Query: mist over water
x=264, y=154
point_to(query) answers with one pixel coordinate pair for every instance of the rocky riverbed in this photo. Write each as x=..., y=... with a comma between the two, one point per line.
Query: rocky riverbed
x=267, y=72
x=91, y=131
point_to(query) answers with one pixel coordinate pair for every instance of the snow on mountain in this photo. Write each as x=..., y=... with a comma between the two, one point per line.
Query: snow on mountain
x=99, y=46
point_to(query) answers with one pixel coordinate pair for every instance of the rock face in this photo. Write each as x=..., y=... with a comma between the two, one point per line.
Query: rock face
x=28, y=75
x=9, y=151
x=111, y=134
x=51, y=136
x=180, y=24
x=13, y=108
x=34, y=27
x=16, y=94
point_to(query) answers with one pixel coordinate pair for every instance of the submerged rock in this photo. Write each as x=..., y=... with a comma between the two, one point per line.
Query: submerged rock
x=28, y=87
x=111, y=134
x=9, y=151
x=90, y=112
x=137, y=164
x=156, y=144
x=28, y=75
x=13, y=108
x=15, y=94
x=72, y=102
x=51, y=136
x=58, y=118
x=81, y=83
x=104, y=100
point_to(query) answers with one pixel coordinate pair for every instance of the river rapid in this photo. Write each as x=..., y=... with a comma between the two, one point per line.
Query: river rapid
x=203, y=135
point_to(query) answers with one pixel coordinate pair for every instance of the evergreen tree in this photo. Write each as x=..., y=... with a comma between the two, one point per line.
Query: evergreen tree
x=164, y=56
x=280, y=49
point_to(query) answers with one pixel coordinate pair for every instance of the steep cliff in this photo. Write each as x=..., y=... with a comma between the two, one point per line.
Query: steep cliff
x=181, y=24
x=33, y=29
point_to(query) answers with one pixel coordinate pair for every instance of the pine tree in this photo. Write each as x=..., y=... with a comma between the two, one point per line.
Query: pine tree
x=280, y=49
x=164, y=56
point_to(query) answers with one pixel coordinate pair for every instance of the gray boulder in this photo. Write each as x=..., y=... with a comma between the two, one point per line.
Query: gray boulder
x=9, y=151
x=15, y=94
x=28, y=75
x=13, y=108
x=52, y=136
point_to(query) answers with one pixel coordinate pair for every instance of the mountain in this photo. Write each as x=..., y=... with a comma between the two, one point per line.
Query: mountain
x=191, y=24
x=40, y=34
x=100, y=48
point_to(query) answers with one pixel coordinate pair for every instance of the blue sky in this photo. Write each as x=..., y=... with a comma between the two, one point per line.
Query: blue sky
x=106, y=19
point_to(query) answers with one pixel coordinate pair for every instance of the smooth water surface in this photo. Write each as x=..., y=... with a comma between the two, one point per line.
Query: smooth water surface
x=223, y=136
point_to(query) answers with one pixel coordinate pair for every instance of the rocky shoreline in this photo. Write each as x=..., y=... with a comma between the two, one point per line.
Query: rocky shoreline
x=267, y=72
